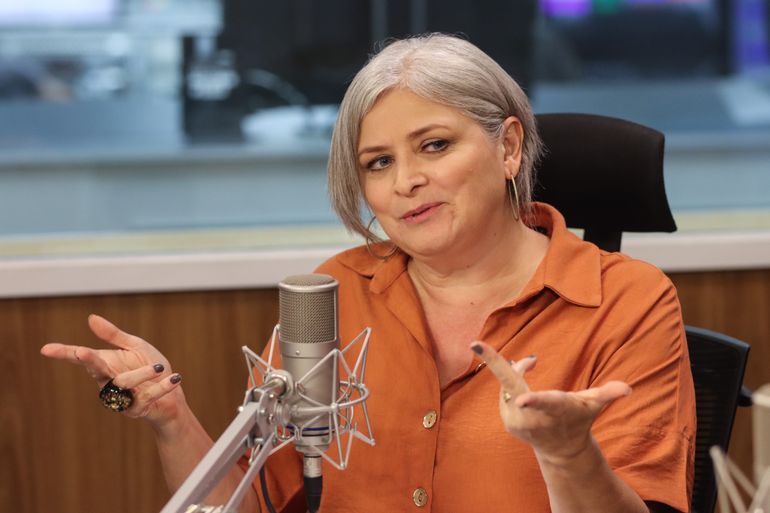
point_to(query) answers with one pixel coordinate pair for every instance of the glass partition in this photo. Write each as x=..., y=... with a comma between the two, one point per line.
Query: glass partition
x=135, y=126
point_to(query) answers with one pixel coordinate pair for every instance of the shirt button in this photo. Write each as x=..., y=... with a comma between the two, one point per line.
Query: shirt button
x=420, y=497
x=429, y=419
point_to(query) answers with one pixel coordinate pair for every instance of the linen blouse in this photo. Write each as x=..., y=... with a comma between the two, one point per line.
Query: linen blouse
x=590, y=316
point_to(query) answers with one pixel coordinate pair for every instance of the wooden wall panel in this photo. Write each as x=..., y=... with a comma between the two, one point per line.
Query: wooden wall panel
x=61, y=451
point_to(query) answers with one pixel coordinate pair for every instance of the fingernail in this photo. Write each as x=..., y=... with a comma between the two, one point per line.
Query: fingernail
x=158, y=367
x=532, y=356
x=176, y=378
x=476, y=348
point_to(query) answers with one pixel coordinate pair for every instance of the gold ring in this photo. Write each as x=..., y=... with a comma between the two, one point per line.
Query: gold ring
x=506, y=396
x=115, y=398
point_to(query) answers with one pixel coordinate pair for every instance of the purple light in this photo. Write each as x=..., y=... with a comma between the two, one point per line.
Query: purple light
x=566, y=8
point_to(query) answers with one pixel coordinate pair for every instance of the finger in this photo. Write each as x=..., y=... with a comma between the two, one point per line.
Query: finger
x=78, y=355
x=59, y=352
x=108, y=332
x=606, y=393
x=136, y=377
x=546, y=400
x=594, y=399
x=148, y=395
x=500, y=367
x=525, y=364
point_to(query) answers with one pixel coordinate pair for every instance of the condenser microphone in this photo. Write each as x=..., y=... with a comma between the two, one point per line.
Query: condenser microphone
x=307, y=333
x=309, y=402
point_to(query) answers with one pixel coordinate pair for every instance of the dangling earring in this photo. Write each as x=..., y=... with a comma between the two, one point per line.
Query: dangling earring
x=370, y=241
x=513, y=198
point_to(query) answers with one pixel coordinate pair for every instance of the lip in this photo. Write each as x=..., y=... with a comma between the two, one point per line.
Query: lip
x=421, y=213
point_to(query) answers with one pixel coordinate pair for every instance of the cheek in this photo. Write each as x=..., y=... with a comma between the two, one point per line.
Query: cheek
x=375, y=195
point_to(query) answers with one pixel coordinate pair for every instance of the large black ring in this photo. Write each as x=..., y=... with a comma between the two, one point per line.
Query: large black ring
x=115, y=398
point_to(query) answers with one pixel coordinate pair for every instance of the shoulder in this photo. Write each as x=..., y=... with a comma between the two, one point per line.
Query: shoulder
x=640, y=306
x=623, y=274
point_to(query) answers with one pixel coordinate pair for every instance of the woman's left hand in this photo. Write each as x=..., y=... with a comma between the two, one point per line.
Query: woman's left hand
x=556, y=424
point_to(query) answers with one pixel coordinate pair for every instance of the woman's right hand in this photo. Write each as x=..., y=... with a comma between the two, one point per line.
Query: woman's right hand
x=132, y=364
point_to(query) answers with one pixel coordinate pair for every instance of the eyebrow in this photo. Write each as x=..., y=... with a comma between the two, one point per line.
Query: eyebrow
x=411, y=135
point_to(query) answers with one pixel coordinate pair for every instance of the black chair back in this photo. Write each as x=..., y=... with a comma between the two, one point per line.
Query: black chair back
x=604, y=175
x=718, y=363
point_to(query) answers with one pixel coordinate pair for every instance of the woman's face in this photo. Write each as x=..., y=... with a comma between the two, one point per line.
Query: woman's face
x=433, y=177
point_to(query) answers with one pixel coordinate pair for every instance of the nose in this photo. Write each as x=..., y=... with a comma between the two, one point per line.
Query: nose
x=409, y=177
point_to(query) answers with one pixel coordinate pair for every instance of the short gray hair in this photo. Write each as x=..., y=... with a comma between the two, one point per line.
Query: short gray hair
x=441, y=68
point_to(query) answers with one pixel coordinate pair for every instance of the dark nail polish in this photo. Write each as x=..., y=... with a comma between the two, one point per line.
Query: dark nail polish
x=158, y=367
x=476, y=348
x=176, y=378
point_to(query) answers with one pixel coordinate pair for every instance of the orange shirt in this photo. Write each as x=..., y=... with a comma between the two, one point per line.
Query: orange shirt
x=589, y=316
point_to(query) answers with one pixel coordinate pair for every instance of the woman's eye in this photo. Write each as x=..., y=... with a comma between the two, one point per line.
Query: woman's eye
x=437, y=145
x=378, y=163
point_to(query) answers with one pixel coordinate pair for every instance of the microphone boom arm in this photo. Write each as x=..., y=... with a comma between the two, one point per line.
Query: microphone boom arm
x=243, y=433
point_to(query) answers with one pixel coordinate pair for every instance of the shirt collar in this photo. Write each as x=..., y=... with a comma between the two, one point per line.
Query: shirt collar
x=571, y=267
x=382, y=271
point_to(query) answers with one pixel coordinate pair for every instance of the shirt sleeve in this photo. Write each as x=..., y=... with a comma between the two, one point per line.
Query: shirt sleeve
x=648, y=438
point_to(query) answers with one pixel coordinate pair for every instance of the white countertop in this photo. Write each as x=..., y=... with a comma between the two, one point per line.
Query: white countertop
x=218, y=269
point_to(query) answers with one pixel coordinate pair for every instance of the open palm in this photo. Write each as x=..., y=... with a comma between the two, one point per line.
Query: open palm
x=133, y=364
x=556, y=424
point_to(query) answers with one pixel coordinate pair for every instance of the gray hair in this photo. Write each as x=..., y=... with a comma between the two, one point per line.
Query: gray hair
x=441, y=68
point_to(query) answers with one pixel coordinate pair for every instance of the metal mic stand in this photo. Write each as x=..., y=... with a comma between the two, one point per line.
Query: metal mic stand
x=262, y=419
x=256, y=417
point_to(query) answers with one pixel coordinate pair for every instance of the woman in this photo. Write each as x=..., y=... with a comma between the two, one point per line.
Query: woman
x=475, y=284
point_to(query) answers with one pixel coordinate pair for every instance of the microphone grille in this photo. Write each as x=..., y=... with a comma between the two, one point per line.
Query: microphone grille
x=308, y=308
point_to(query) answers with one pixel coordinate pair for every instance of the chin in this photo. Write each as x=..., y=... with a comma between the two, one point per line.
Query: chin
x=427, y=242
x=426, y=249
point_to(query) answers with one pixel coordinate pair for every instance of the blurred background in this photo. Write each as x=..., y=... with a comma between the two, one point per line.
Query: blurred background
x=136, y=120
x=162, y=162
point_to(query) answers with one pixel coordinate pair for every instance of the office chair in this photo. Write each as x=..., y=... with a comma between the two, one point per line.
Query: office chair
x=605, y=175
x=718, y=363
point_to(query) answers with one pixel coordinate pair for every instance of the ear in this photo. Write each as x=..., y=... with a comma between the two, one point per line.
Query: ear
x=512, y=141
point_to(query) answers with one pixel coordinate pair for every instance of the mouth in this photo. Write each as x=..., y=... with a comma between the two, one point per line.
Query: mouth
x=421, y=213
